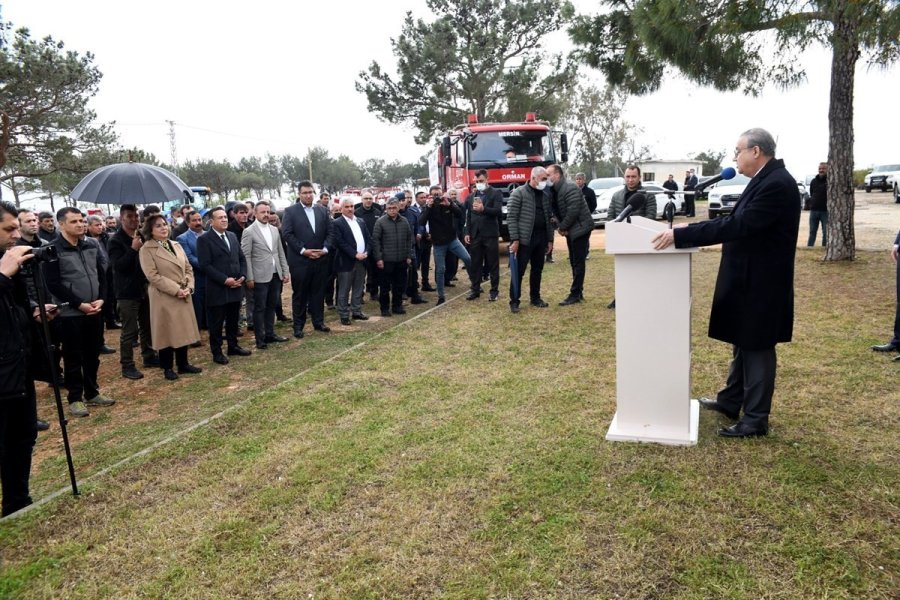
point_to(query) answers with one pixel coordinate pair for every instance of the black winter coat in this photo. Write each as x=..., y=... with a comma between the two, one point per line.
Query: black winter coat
x=753, y=305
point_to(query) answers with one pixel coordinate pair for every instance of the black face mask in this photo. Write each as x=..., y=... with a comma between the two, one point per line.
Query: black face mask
x=436, y=198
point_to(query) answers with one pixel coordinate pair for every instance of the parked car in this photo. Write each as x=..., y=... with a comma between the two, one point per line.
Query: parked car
x=604, y=196
x=604, y=183
x=878, y=178
x=724, y=195
x=804, y=195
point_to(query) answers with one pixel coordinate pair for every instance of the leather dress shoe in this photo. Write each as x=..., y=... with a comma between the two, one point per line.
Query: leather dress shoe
x=473, y=295
x=238, y=351
x=299, y=335
x=189, y=369
x=170, y=374
x=275, y=339
x=539, y=303
x=742, y=430
x=713, y=405
x=360, y=317
x=104, y=349
x=261, y=345
x=889, y=347
x=418, y=300
x=612, y=305
x=428, y=288
x=570, y=300
x=220, y=359
x=514, y=307
x=399, y=311
x=42, y=425
x=440, y=301
x=493, y=297
x=322, y=328
x=346, y=321
x=282, y=318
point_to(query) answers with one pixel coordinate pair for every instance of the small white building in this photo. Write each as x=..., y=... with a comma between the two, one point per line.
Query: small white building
x=659, y=170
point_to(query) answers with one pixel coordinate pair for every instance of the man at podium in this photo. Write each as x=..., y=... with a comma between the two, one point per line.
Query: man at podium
x=753, y=304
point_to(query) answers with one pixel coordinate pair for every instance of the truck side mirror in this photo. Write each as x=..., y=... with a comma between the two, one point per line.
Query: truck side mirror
x=445, y=150
x=564, y=147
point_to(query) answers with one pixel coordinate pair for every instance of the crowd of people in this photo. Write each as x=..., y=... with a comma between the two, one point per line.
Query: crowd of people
x=162, y=280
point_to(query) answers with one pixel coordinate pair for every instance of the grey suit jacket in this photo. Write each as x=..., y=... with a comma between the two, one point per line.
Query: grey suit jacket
x=263, y=263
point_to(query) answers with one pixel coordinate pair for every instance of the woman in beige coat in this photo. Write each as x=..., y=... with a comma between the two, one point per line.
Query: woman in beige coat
x=173, y=325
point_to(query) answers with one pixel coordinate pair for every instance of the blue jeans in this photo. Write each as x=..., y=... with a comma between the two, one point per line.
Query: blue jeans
x=816, y=217
x=440, y=261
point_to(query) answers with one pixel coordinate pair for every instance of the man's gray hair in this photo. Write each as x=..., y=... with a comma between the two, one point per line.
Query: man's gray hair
x=580, y=176
x=94, y=219
x=349, y=201
x=537, y=172
x=761, y=138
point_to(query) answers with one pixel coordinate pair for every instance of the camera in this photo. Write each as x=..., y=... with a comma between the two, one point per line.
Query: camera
x=45, y=254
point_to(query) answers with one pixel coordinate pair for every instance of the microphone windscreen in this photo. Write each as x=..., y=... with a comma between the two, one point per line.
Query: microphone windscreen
x=728, y=173
x=637, y=200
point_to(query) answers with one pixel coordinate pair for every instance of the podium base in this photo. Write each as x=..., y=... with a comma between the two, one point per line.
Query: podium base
x=656, y=433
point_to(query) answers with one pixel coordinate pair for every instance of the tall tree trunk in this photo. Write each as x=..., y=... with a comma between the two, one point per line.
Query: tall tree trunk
x=841, y=203
x=15, y=191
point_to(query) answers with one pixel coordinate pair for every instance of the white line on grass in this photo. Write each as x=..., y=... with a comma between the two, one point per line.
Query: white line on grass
x=222, y=413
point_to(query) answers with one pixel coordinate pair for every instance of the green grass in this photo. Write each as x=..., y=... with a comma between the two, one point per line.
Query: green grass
x=463, y=456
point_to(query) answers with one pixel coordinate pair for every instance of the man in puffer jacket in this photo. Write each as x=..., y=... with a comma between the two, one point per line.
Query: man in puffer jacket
x=575, y=224
x=392, y=247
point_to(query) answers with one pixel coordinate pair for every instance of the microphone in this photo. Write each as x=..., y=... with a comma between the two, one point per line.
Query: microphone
x=727, y=173
x=636, y=202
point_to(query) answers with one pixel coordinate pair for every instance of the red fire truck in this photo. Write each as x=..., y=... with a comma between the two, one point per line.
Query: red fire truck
x=507, y=151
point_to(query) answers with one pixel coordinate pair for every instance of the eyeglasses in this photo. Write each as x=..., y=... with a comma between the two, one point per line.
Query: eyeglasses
x=737, y=151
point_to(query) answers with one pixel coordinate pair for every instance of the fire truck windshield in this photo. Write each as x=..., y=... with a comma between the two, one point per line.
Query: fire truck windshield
x=511, y=147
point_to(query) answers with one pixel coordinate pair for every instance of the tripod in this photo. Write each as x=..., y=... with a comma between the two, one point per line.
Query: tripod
x=47, y=345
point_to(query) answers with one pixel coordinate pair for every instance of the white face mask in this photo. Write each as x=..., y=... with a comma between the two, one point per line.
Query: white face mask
x=542, y=184
x=480, y=186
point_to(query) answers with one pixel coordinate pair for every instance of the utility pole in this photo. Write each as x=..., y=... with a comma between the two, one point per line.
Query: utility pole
x=173, y=154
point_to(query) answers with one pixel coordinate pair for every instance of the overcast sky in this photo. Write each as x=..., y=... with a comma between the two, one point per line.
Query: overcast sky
x=246, y=78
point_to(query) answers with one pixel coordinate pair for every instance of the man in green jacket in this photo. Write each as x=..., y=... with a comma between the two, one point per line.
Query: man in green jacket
x=575, y=224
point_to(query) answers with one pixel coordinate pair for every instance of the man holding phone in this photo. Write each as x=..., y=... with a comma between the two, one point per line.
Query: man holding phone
x=220, y=256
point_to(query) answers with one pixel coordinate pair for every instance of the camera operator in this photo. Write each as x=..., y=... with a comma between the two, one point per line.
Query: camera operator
x=28, y=229
x=18, y=413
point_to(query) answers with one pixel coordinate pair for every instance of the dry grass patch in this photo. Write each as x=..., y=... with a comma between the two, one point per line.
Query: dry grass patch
x=462, y=456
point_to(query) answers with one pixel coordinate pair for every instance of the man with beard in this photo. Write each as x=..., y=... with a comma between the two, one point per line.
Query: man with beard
x=575, y=224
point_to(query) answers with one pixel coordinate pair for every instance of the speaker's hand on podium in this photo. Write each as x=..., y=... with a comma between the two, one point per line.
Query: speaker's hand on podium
x=663, y=239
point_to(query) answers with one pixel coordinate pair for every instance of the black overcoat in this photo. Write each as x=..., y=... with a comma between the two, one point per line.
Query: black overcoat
x=753, y=305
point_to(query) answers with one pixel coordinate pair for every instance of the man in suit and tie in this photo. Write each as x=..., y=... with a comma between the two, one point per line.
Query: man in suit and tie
x=188, y=241
x=225, y=267
x=753, y=305
x=351, y=249
x=307, y=230
x=266, y=266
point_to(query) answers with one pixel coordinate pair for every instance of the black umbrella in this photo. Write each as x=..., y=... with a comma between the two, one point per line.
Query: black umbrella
x=130, y=183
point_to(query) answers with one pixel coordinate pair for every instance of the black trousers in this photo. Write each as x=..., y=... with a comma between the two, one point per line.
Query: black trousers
x=896, y=339
x=392, y=284
x=18, y=434
x=308, y=278
x=224, y=314
x=266, y=297
x=425, y=260
x=81, y=339
x=689, y=204
x=751, y=385
x=279, y=306
x=578, y=251
x=485, y=251
x=198, y=298
x=180, y=356
x=372, y=276
x=533, y=255
x=135, y=316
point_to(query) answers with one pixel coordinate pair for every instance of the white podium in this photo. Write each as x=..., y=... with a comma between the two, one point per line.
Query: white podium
x=653, y=337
